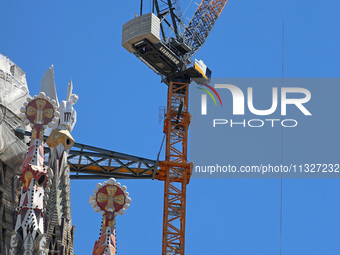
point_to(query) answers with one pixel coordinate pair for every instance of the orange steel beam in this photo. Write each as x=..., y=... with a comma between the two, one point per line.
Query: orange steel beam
x=107, y=170
x=175, y=171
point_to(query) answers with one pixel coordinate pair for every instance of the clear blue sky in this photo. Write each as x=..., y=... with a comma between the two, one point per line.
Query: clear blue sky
x=119, y=98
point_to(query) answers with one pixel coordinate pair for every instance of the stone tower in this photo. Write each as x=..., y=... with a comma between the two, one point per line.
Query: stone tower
x=57, y=225
x=13, y=93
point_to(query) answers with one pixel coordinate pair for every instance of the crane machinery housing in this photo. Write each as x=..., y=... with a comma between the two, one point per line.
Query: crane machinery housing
x=169, y=56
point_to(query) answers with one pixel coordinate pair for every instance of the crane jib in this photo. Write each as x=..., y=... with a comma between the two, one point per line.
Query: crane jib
x=202, y=23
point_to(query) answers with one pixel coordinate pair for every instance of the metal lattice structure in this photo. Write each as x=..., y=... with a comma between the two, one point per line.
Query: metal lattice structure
x=197, y=31
x=169, y=13
x=167, y=50
x=202, y=23
x=175, y=170
x=89, y=162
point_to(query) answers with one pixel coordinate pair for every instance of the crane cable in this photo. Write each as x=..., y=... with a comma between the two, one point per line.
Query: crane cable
x=181, y=18
x=282, y=84
x=186, y=9
x=160, y=149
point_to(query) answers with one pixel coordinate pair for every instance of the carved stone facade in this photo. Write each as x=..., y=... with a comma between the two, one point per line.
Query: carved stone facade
x=57, y=226
x=59, y=229
x=58, y=222
x=8, y=203
x=13, y=91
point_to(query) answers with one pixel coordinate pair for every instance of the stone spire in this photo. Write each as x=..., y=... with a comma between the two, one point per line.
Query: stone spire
x=110, y=199
x=59, y=229
x=28, y=236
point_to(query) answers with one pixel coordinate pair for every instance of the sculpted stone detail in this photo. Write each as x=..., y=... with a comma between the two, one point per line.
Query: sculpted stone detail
x=40, y=113
x=110, y=199
x=60, y=231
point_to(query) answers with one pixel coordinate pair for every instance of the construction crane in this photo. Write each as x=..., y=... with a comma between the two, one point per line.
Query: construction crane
x=170, y=56
x=165, y=44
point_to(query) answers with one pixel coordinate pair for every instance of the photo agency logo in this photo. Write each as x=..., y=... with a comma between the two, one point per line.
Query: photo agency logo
x=242, y=103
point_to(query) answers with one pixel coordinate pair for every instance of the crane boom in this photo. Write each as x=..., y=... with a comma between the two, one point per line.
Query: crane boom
x=202, y=23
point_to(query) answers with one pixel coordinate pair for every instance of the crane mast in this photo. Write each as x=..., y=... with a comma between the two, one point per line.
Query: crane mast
x=175, y=170
x=169, y=55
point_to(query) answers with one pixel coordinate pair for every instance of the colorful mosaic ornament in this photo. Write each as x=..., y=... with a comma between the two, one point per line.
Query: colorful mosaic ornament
x=28, y=237
x=110, y=199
